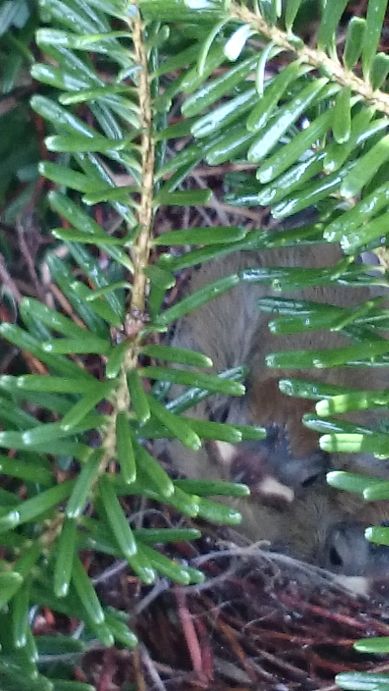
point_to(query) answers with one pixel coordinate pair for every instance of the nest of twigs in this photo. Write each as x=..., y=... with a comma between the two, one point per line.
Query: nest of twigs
x=260, y=621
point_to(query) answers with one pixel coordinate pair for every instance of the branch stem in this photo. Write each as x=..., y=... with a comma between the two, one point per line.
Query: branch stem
x=313, y=56
x=141, y=249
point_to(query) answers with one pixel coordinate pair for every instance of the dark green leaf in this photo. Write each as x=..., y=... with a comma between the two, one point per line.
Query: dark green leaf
x=84, y=406
x=86, y=593
x=373, y=645
x=198, y=298
x=215, y=89
x=375, y=17
x=184, y=356
x=178, y=573
x=209, y=382
x=177, y=425
x=83, y=486
x=329, y=23
x=350, y=482
x=361, y=681
x=153, y=470
x=117, y=520
x=328, y=358
x=285, y=118
x=70, y=346
x=287, y=155
x=124, y=449
x=201, y=236
x=224, y=114
x=208, y=488
x=367, y=166
x=20, y=616
x=65, y=550
x=165, y=535
x=184, y=198
x=26, y=471
x=341, y=126
x=138, y=397
x=30, y=509
x=218, y=513
x=120, y=631
x=261, y=113
x=354, y=41
x=9, y=584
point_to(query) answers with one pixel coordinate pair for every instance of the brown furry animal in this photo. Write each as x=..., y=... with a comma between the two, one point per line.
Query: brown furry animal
x=291, y=505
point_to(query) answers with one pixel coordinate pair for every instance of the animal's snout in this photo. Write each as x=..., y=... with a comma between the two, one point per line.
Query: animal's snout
x=253, y=462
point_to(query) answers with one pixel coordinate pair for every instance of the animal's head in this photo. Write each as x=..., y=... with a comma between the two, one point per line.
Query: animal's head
x=291, y=503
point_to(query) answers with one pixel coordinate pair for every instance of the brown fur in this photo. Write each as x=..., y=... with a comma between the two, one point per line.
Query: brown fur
x=232, y=331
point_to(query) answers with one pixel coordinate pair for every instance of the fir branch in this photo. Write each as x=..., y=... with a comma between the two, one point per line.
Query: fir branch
x=134, y=319
x=312, y=56
x=141, y=248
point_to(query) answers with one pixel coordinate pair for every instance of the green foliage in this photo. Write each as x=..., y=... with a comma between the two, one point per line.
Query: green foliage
x=18, y=22
x=315, y=133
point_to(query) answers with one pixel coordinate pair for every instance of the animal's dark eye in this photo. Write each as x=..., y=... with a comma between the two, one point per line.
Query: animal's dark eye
x=310, y=480
x=313, y=469
x=220, y=414
x=275, y=434
x=335, y=558
x=223, y=415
